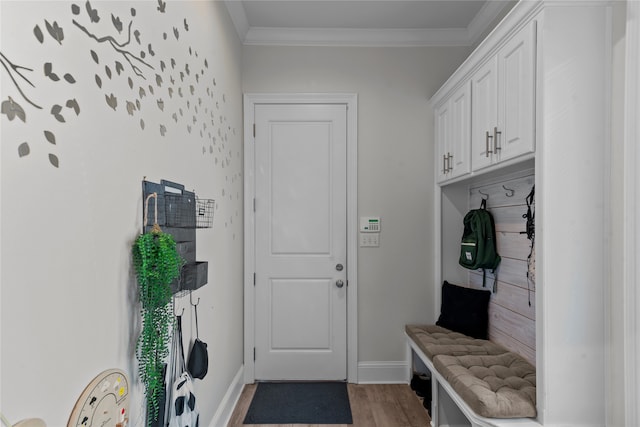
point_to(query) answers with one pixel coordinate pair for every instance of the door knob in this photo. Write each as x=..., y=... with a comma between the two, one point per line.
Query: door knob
x=339, y=267
x=339, y=283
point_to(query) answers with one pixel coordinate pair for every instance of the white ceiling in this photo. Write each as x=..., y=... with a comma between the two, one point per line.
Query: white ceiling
x=363, y=22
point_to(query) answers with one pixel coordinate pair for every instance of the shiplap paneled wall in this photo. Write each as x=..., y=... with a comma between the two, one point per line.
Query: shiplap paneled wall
x=512, y=321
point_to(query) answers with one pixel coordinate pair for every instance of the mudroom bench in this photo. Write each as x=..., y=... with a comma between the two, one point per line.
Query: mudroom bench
x=474, y=382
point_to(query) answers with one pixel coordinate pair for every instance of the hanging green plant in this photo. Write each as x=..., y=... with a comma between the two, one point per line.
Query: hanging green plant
x=157, y=264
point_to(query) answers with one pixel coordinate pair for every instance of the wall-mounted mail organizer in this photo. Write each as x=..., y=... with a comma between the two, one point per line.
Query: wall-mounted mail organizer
x=180, y=213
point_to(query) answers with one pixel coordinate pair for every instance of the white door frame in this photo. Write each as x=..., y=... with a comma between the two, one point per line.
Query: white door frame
x=351, y=101
x=631, y=214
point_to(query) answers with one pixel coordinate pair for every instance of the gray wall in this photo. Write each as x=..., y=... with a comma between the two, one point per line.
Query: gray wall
x=395, y=168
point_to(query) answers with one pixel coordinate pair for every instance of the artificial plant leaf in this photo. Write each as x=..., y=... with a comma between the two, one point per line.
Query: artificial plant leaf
x=23, y=149
x=50, y=137
x=54, y=160
x=38, y=33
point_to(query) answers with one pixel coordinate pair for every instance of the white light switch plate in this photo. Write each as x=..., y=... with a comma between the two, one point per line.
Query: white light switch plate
x=369, y=240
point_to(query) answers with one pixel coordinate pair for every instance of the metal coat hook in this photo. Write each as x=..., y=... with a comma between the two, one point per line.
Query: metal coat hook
x=191, y=300
x=173, y=307
x=484, y=195
x=510, y=191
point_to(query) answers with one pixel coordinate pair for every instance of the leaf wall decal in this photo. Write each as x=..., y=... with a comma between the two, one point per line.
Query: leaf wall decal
x=54, y=160
x=112, y=101
x=99, y=81
x=55, y=111
x=69, y=78
x=95, y=57
x=93, y=13
x=136, y=34
x=141, y=92
x=117, y=23
x=130, y=108
x=162, y=66
x=176, y=33
x=75, y=9
x=119, y=67
x=23, y=149
x=186, y=26
x=73, y=104
x=158, y=80
x=163, y=130
x=142, y=124
x=38, y=33
x=130, y=81
x=133, y=12
x=55, y=31
x=108, y=71
x=50, y=137
x=12, y=110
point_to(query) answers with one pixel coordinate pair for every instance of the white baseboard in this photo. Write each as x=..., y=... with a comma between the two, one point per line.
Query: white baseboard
x=382, y=372
x=223, y=415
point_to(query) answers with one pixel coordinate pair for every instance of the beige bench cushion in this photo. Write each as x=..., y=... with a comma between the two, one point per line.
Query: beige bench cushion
x=434, y=340
x=494, y=386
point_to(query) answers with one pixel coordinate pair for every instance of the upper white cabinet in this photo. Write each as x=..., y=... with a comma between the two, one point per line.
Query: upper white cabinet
x=503, y=102
x=453, y=134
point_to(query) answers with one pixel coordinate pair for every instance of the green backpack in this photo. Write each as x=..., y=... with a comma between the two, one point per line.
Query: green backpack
x=478, y=245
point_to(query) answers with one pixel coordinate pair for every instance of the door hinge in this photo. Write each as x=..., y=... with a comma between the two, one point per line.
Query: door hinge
x=254, y=204
x=254, y=354
x=254, y=279
x=254, y=130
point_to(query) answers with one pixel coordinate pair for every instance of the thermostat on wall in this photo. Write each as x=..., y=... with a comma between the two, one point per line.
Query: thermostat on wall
x=370, y=224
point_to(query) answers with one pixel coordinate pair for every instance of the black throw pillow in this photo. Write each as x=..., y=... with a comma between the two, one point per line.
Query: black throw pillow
x=465, y=310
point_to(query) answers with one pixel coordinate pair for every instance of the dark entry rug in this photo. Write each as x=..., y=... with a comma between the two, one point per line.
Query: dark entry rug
x=300, y=403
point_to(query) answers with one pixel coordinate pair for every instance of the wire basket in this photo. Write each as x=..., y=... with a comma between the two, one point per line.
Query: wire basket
x=180, y=210
x=204, y=212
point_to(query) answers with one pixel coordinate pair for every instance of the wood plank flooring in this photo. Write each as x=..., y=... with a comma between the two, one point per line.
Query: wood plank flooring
x=372, y=405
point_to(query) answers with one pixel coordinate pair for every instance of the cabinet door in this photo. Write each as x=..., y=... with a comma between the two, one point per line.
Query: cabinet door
x=460, y=142
x=516, y=95
x=443, y=138
x=484, y=113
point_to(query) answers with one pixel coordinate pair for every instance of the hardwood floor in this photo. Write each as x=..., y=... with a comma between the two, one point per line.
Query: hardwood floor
x=372, y=405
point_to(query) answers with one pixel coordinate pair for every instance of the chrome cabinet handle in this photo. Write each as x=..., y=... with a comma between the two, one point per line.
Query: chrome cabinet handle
x=449, y=157
x=488, y=137
x=495, y=139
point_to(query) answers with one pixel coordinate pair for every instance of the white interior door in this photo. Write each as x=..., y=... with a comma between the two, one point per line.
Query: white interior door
x=300, y=242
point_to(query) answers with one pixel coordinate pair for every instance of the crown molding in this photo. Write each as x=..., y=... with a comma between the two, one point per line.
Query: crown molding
x=261, y=36
x=355, y=37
